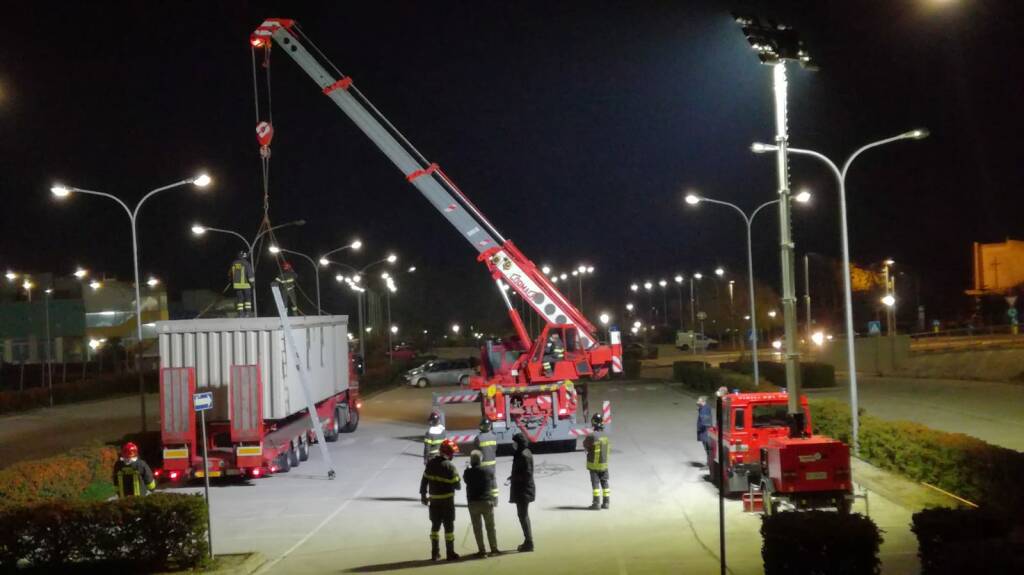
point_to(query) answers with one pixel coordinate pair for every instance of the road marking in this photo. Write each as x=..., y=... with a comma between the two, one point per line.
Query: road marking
x=630, y=389
x=651, y=387
x=267, y=566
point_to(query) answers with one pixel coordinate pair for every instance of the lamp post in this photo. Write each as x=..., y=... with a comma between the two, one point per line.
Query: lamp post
x=199, y=229
x=200, y=181
x=679, y=288
x=353, y=282
x=47, y=294
x=651, y=310
x=663, y=284
x=693, y=199
x=840, y=175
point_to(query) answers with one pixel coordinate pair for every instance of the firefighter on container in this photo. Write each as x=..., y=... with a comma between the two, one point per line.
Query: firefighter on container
x=487, y=445
x=433, y=438
x=131, y=475
x=287, y=283
x=242, y=282
x=437, y=490
x=597, y=447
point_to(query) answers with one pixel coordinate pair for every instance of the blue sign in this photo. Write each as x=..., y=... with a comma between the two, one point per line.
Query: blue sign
x=874, y=327
x=203, y=401
x=1012, y=312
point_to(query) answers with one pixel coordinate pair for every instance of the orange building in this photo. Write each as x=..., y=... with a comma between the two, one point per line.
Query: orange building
x=998, y=268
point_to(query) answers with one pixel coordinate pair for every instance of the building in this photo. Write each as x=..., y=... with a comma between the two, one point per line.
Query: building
x=998, y=268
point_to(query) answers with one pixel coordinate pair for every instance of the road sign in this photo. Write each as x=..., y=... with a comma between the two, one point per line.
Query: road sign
x=1012, y=312
x=1011, y=300
x=874, y=328
x=203, y=401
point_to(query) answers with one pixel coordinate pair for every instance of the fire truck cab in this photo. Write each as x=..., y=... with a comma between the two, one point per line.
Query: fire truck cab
x=751, y=421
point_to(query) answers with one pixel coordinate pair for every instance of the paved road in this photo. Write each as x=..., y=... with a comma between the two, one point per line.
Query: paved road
x=987, y=410
x=663, y=517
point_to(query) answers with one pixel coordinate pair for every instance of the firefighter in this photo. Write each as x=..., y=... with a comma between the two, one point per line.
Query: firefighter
x=287, y=282
x=487, y=444
x=434, y=436
x=242, y=282
x=441, y=480
x=597, y=448
x=554, y=352
x=132, y=476
x=523, y=490
x=703, y=420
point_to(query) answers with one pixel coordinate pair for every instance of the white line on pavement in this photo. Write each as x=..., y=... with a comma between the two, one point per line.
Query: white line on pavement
x=267, y=566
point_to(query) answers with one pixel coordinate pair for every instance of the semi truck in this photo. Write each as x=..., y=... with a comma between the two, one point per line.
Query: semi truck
x=527, y=384
x=259, y=423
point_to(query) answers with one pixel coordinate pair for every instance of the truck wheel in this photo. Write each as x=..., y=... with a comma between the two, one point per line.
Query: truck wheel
x=422, y=382
x=303, y=448
x=283, y=464
x=293, y=455
x=353, y=421
x=844, y=504
x=331, y=434
x=715, y=473
x=770, y=507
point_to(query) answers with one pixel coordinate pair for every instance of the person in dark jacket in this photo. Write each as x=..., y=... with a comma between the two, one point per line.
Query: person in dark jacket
x=437, y=490
x=522, y=491
x=132, y=476
x=481, y=502
x=703, y=420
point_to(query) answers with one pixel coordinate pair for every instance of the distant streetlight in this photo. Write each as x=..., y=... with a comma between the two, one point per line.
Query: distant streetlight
x=629, y=307
x=719, y=272
x=840, y=174
x=11, y=276
x=605, y=318
x=81, y=273
x=455, y=328
x=772, y=314
x=394, y=329
x=354, y=246
x=152, y=282
x=546, y=270
x=95, y=285
x=889, y=300
x=633, y=287
x=60, y=191
x=648, y=286
x=392, y=258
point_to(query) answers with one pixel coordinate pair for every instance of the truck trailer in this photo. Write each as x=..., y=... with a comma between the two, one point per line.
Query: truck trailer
x=259, y=423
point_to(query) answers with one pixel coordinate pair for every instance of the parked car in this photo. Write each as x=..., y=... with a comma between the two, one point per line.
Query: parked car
x=441, y=372
x=403, y=352
x=686, y=340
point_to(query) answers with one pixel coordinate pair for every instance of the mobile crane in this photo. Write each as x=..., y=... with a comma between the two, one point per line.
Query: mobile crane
x=521, y=386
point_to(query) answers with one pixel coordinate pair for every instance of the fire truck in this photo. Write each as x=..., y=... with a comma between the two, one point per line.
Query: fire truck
x=763, y=458
x=523, y=386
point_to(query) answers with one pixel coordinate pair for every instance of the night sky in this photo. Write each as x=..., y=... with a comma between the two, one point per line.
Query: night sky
x=575, y=126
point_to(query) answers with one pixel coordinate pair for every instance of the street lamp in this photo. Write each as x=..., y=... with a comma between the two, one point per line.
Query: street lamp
x=889, y=300
x=200, y=181
x=355, y=245
x=455, y=328
x=840, y=175
x=152, y=282
x=81, y=273
x=95, y=285
x=693, y=199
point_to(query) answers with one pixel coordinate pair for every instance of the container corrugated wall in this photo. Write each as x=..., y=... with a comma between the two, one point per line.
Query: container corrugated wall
x=212, y=346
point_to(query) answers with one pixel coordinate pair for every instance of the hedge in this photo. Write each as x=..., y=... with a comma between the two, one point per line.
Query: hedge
x=103, y=386
x=82, y=472
x=966, y=541
x=820, y=543
x=138, y=534
x=701, y=377
x=954, y=462
x=812, y=374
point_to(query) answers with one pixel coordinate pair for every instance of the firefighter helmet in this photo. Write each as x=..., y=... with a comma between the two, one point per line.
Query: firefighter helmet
x=129, y=450
x=286, y=266
x=485, y=425
x=435, y=418
x=449, y=448
x=597, y=421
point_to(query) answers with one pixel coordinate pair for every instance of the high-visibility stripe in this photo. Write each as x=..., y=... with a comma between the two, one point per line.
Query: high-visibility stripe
x=176, y=453
x=488, y=443
x=433, y=535
x=487, y=463
x=449, y=536
x=441, y=479
x=151, y=485
x=442, y=495
x=607, y=492
x=597, y=493
x=429, y=441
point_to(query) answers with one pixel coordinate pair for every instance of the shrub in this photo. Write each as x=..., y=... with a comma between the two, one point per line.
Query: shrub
x=965, y=541
x=700, y=377
x=137, y=534
x=812, y=374
x=820, y=542
x=75, y=391
x=954, y=462
x=631, y=367
x=65, y=476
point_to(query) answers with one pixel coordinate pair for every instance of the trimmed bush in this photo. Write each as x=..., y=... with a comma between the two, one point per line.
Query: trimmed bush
x=67, y=476
x=812, y=374
x=103, y=386
x=699, y=376
x=966, y=541
x=138, y=534
x=820, y=543
x=954, y=462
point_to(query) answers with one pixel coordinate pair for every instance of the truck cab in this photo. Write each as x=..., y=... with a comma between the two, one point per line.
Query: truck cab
x=751, y=421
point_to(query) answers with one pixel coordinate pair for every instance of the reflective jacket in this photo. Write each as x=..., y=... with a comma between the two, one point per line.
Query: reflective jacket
x=241, y=274
x=440, y=480
x=133, y=478
x=597, y=451
x=432, y=441
x=487, y=443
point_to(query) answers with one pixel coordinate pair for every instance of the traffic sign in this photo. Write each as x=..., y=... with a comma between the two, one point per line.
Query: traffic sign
x=874, y=327
x=1010, y=300
x=1012, y=312
x=203, y=401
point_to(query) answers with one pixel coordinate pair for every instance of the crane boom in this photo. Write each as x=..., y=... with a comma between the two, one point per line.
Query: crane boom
x=503, y=259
